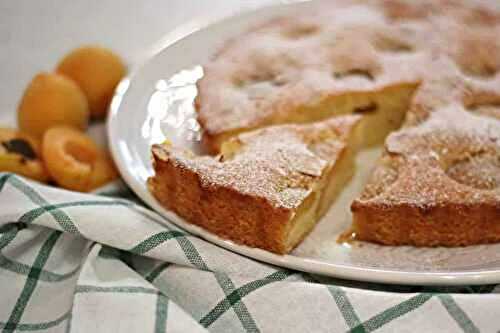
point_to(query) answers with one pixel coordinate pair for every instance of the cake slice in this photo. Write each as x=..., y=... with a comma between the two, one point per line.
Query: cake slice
x=267, y=188
x=437, y=184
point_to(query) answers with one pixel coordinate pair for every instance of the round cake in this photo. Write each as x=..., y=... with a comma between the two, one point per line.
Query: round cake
x=421, y=77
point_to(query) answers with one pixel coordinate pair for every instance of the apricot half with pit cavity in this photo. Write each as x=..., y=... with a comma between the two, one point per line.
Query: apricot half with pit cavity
x=75, y=161
x=20, y=153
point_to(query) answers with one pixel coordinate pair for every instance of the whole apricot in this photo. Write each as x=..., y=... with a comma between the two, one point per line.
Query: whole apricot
x=52, y=100
x=97, y=71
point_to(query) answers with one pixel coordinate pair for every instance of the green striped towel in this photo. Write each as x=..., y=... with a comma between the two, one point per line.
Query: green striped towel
x=72, y=262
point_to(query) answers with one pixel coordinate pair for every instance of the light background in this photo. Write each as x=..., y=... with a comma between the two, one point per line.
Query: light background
x=34, y=35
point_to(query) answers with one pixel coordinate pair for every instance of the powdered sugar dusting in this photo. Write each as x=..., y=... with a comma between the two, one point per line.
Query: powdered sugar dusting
x=280, y=164
x=345, y=46
x=452, y=157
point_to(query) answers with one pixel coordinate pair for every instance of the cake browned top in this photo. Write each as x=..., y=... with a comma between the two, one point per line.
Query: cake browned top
x=451, y=158
x=280, y=164
x=345, y=46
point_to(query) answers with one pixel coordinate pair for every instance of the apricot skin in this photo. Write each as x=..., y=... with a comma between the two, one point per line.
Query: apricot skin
x=75, y=161
x=97, y=71
x=52, y=100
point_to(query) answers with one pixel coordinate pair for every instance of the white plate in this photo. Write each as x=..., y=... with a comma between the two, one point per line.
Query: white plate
x=157, y=102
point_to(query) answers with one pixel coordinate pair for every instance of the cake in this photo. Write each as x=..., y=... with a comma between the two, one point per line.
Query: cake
x=340, y=57
x=267, y=188
x=437, y=183
x=425, y=71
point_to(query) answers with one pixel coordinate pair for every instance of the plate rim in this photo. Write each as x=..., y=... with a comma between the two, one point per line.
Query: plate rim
x=308, y=265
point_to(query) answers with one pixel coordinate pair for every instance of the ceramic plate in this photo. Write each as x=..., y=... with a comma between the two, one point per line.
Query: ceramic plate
x=156, y=102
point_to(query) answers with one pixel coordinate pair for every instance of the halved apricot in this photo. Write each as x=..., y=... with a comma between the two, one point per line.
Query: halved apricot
x=20, y=153
x=75, y=161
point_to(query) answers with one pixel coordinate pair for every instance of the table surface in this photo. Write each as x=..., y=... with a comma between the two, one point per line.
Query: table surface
x=35, y=34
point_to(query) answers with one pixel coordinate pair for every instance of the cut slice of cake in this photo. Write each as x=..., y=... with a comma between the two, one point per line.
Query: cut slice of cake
x=437, y=184
x=267, y=189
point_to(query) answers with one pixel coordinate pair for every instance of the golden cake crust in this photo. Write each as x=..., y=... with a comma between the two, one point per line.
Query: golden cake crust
x=250, y=194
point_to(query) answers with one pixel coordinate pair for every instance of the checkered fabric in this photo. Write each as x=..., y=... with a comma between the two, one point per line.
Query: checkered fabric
x=72, y=262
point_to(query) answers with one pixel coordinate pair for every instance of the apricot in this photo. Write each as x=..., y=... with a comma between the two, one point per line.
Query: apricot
x=75, y=161
x=52, y=100
x=20, y=153
x=97, y=71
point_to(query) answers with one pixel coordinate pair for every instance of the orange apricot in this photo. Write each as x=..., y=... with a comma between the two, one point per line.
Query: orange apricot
x=75, y=161
x=20, y=153
x=52, y=100
x=97, y=71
